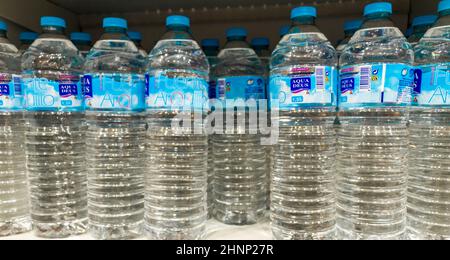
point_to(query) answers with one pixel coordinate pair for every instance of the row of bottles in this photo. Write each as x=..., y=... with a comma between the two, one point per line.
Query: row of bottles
x=114, y=141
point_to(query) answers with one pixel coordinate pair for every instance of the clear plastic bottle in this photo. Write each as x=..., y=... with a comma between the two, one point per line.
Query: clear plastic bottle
x=55, y=135
x=303, y=78
x=350, y=28
x=239, y=157
x=14, y=197
x=262, y=48
x=420, y=26
x=83, y=42
x=211, y=49
x=376, y=78
x=136, y=37
x=26, y=39
x=176, y=177
x=114, y=90
x=429, y=165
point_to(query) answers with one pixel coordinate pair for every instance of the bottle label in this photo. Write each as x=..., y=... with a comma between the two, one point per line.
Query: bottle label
x=11, y=98
x=304, y=87
x=376, y=85
x=64, y=94
x=176, y=93
x=241, y=87
x=116, y=91
x=432, y=85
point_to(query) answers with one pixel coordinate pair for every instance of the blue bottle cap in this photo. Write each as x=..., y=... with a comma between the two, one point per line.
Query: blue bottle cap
x=261, y=42
x=353, y=25
x=424, y=20
x=115, y=22
x=53, y=22
x=304, y=11
x=444, y=6
x=378, y=7
x=237, y=32
x=284, y=30
x=178, y=20
x=211, y=43
x=3, y=26
x=80, y=37
x=135, y=36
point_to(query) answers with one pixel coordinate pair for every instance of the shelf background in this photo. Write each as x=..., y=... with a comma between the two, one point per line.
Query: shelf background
x=210, y=19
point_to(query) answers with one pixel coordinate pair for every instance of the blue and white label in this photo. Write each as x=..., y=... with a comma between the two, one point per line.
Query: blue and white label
x=432, y=85
x=376, y=85
x=241, y=87
x=304, y=87
x=167, y=92
x=116, y=92
x=64, y=94
x=11, y=98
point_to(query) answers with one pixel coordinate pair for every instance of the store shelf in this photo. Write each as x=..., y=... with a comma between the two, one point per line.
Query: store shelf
x=215, y=231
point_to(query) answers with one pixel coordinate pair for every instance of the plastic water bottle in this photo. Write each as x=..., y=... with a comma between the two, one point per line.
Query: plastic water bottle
x=211, y=49
x=429, y=166
x=420, y=26
x=303, y=78
x=14, y=198
x=26, y=39
x=376, y=78
x=350, y=28
x=114, y=92
x=55, y=135
x=177, y=157
x=83, y=42
x=262, y=48
x=239, y=158
x=136, y=37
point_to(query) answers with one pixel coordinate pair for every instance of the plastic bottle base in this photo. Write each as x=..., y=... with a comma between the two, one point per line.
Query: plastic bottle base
x=239, y=218
x=116, y=232
x=351, y=235
x=197, y=233
x=284, y=234
x=423, y=235
x=15, y=226
x=60, y=230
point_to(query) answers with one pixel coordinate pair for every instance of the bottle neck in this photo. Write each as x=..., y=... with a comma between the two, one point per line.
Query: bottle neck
x=377, y=20
x=3, y=34
x=211, y=51
x=261, y=48
x=350, y=33
x=115, y=30
x=304, y=20
x=178, y=28
x=137, y=43
x=178, y=32
x=27, y=42
x=445, y=13
x=378, y=17
x=237, y=39
x=82, y=43
x=304, y=24
x=444, y=18
x=53, y=30
x=421, y=28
